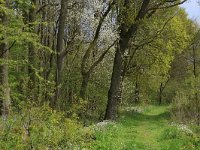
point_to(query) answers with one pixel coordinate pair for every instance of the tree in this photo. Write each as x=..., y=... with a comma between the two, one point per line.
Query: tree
x=60, y=50
x=5, y=94
x=127, y=31
x=31, y=52
x=86, y=68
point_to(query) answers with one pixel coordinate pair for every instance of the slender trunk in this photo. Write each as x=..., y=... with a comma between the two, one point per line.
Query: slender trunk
x=4, y=82
x=70, y=96
x=137, y=91
x=160, y=93
x=31, y=54
x=197, y=103
x=87, y=70
x=161, y=90
x=59, y=48
x=84, y=85
x=194, y=67
x=5, y=89
x=86, y=74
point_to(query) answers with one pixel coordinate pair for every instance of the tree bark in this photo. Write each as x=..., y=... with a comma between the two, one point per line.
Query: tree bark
x=137, y=90
x=126, y=33
x=5, y=92
x=197, y=103
x=160, y=93
x=194, y=68
x=114, y=93
x=5, y=99
x=84, y=85
x=59, y=48
x=161, y=90
x=31, y=54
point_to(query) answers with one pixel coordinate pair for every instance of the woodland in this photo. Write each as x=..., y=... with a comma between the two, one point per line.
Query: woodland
x=99, y=75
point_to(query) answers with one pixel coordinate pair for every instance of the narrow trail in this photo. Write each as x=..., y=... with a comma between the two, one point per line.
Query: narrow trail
x=149, y=129
x=145, y=127
x=146, y=130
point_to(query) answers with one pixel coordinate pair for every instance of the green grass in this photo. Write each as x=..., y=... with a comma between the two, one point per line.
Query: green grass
x=149, y=130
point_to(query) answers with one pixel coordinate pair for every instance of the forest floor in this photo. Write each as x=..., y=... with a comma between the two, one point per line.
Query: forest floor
x=149, y=129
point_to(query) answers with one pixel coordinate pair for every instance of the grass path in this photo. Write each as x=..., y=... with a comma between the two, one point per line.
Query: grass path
x=140, y=131
x=146, y=127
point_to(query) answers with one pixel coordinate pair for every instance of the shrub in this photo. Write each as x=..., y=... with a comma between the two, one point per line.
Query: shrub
x=178, y=139
x=42, y=128
x=184, y=108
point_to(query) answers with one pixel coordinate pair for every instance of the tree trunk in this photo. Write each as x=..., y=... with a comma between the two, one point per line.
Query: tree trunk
x=161, y=90
x=87, y=70
x=137, y=91
x=5, y=92
x=86, y=74
x=194, y=68
x=84, y=85
x=4, y=81
x=126, y=34
x=160, y=93
x=197, y=103
x=59, y=48
x=31, y=54
x=114, y=93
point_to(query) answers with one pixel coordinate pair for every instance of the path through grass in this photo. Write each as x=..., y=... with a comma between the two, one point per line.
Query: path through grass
x=149, y=130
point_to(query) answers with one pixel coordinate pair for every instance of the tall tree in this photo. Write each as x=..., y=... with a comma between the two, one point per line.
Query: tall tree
x=60, y=50
x=31, y=52
x=127, y=31
x=4, y=53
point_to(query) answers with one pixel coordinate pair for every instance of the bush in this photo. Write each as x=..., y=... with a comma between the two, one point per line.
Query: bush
x=42, y=128
x=184, y=108
x=178, y=139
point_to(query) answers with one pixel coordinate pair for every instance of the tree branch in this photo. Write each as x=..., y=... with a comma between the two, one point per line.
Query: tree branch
x=102, y=56
x=148, y=42
x=96, y=36
x=159, y=6
x=2, y=53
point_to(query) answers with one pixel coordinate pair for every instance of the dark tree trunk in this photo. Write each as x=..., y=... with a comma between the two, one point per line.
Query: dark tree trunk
x=160, y=93
x=114, y=93
x=5, y=101
x=194, y=68
x=5, y=89
x=161, y=90
x=60, y=56
x=31, y=54
x=126, y=34
x=84, y=85
x=137, y=91
x=197, y=103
